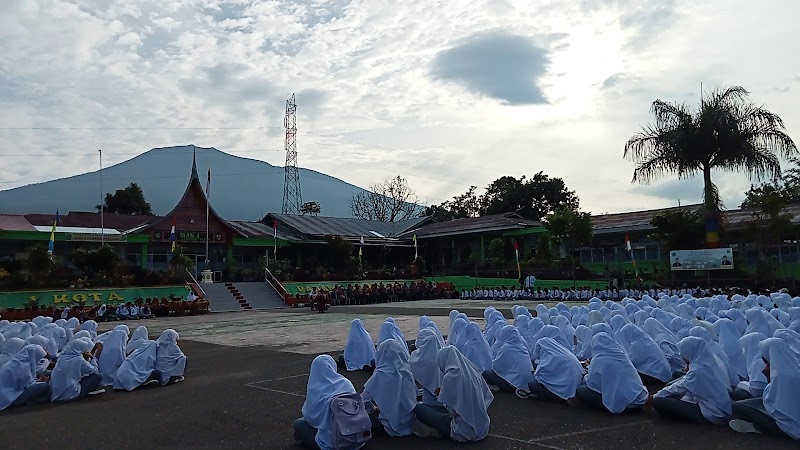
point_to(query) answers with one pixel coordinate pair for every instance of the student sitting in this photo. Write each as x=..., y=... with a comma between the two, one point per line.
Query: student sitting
x=316, y=429
x=138, y=338
x=74, y=376
x=558, y=372
x=20, y=386
x=612, y=383
x=702, y=394
x=778, y=412
x=139, y=368
x=393, y=391
x=464, y=398
x=511, y=367
x=423, y=362
x=170, y=360
x=359, y=352
x=146, y=312
x=113, y=353
x=645, y=355
x=134, y=309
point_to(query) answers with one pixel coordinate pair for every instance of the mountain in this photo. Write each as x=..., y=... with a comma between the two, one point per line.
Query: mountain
x=241, y=188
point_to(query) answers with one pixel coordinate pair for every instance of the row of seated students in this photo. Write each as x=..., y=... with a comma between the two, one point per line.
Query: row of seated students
x=44, y=361
x=362, y=294
x=586, y=293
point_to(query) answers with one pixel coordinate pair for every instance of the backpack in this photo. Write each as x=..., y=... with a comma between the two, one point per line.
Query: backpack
x=351, y=423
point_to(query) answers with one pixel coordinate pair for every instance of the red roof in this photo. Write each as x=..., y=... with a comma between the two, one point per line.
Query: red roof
x=84, y=219
x=14, y=222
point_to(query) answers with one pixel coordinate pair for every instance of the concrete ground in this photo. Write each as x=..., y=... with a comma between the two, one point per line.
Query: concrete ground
x=246, y=382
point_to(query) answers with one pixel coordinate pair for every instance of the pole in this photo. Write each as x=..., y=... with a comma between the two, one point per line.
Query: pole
x=102, y=209
x=208, y=203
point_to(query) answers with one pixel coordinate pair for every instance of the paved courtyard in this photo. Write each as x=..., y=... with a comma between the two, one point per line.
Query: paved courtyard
x=246, y=381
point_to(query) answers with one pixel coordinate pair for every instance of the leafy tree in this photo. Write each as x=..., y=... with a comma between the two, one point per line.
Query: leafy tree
x=339, y=251
x=544, y=248
x=460, y=207
x=311, y=208
x=569, y=228
x=679, y=229
x=787, y=188
x=497, y=249
x=97, y=261
x=179, y=261
x=533, y=198
x=727, y=132
x=39, y=264
x=127, y=201
x=389, y=200
x=768, y=227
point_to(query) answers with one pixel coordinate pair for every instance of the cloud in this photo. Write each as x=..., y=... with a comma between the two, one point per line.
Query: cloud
x=498, y=65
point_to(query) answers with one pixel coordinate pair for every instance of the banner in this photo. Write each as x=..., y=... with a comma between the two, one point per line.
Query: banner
x=703, y=259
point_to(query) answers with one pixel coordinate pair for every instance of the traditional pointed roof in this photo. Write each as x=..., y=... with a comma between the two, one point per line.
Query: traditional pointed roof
x=196, y=185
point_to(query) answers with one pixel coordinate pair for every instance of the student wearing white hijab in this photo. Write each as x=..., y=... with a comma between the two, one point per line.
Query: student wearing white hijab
x=645, y=355
x=511, y=367
x=393, y=391
x=74, y=377
x=315, y=429
x=476, y=349
x=390, y=330
x=425, y=321
x=666, y=341
x=19, y=385
x=702, y=394
x=91, y=327
x=139, y=368
x=44, y=363
x=558, y=372
x=612, y=383
x=359, y=352
x=583, y=343
x=170, y=360
x=113, y=353
x=464, y=398
x=458, y=328
x=10, y=348
x=729, y=342
x=423, y=363
x=138, y=338
x=778, y=412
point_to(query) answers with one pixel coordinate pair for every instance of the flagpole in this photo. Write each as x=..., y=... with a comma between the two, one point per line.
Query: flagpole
x=208, y=203
x=102, y=209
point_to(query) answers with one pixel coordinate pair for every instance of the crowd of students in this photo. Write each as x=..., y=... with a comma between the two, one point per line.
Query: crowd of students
x=584, y=293
x=723, y=360
x=60, y=361
x=363, y=294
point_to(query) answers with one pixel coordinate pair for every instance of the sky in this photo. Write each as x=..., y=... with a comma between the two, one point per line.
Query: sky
x=446, y=93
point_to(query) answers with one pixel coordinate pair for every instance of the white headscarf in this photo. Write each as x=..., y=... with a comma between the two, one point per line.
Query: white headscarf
x=423, y=359
x=459, y=326
x=756, y=380
x=393, y=389
x=138, y=339
x=729, y=342
x=612, y=374
x=43, y=342
x=552, y=331
x=644, y=353
x=91, y=327
x=583, y=348
x=558, y=369
x=464, y=391
x=757, y=322
x=425, y=321
x=112, y=355
x=781, y=394
x=170, y=360
x=19, y=373
x=476, y=349
x=324, y=383
x=55, y=334
x=714, y=348
x=512, y=362
x=70, y=368
x=137, y=367
x=390, y=330
x=359, y=350
x=10, y=348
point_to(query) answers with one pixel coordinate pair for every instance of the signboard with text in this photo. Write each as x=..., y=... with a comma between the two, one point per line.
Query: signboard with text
x=702, y=259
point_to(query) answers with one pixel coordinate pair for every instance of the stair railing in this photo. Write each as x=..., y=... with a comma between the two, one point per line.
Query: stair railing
x=195, y=283
x=276, y=285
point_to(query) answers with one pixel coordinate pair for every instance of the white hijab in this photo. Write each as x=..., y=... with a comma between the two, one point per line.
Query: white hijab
x=781, y=394
x=644, y=353
x=324, y=383
x=756, y=380
x=170, y=360
x=612, y=374
x=729, y=342
x=393, y=388
x=557, y=369
x=476, y=349
x=70, y=368
x=583, y=347
x=390, y=330
x=423, y=359
x=139, y=338
x=112, y=355
x=137, y=367
x=359, y=350
x=464, y=391
x=706, y=380
x=512, y=362
x=19, y=373
x=91, y=327
x=10, y=348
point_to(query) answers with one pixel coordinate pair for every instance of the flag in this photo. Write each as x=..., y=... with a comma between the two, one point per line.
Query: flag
x=172, y=236
x=629, y=248
x=275, y=238
x=208, y=183
x=628, y=243
x=416, y=254
x=516, y=252
x=51, y=244
x=58, y=217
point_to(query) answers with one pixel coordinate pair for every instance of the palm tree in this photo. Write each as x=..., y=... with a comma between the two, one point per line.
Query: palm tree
x=727, y=132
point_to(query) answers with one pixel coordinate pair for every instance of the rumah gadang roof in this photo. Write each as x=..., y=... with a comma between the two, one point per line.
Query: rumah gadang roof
x=84, y=219
x=310, y=227
x=470, y=225
x=640, y=220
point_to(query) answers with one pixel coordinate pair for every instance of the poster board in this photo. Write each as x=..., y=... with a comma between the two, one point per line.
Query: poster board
x=702, y=259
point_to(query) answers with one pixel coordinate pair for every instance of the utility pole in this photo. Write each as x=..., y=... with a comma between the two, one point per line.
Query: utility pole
x=292, y=197
x=102, y=222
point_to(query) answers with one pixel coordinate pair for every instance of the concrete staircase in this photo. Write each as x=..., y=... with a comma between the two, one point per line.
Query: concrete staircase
x=260, y=295
x=224, y=297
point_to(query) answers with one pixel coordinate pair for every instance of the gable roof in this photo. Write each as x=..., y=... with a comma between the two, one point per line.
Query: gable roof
x=319, y=226
x=470, y=225
x=15, y=222
x=86, y=219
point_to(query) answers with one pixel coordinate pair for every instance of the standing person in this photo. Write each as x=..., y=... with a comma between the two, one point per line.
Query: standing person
x=530, y=281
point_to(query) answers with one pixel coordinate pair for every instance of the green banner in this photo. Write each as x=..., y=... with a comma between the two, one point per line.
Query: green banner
x=305, y=288
x=108, y=296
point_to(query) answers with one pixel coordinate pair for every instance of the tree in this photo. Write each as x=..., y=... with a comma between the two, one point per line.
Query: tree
x=127, y=201
x=768, y=227
x=389, y=200
x=533, y=198
x=339, y=251
x=497, y=249
x=462, y=206
x=679, y=229
x=727, y=132
x=311, y=208
x=569, y=228
x=39, y=263
x=97, y=261
x=180, y=261
x=787, y=188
